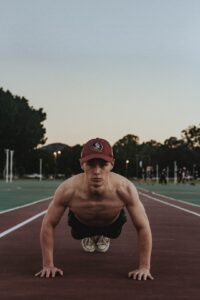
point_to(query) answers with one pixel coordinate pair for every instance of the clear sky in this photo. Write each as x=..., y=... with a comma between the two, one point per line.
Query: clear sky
x=104, y=68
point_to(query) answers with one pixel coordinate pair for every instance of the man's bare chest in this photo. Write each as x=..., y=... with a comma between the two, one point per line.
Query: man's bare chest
x=96, y=211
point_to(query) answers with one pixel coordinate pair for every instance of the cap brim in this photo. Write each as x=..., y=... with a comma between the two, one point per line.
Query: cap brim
x=93, y=156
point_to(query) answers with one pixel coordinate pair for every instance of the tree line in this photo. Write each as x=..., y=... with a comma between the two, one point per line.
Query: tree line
x=22, y=130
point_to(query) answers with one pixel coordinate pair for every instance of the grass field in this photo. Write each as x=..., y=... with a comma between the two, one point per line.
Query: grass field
x=184, y=192
x=21, y=192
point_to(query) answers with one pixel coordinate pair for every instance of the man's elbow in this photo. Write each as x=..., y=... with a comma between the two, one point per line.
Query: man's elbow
x=144, y=229
x=47, y=227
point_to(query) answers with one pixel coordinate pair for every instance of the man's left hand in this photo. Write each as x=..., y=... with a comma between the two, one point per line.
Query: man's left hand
x=140, y=274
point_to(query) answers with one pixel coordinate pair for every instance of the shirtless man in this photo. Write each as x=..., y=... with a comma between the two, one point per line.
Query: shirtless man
x=96, y=201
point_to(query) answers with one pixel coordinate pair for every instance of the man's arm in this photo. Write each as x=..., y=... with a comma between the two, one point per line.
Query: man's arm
x=140, y=220
x=51, y=219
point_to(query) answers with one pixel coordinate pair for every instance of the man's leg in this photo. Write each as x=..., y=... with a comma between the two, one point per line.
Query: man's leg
x=81, y=232
x=95, y=238
x=110, y=232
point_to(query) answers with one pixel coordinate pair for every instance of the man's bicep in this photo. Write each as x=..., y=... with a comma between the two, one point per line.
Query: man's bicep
x=54, y=212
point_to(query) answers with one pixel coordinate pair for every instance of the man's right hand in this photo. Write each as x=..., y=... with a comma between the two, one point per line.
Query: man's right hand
x=48, y=272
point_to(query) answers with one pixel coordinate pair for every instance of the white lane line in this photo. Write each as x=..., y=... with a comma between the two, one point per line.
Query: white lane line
x=170, y=204
x=177, y=200
x=8, y=231
x=170, y=198
x=25, y=205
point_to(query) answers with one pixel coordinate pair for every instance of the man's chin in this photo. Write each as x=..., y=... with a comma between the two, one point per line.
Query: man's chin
x=97, y=187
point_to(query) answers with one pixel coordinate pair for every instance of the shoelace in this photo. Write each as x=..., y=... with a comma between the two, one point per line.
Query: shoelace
x=89, y=241
x=103, y=240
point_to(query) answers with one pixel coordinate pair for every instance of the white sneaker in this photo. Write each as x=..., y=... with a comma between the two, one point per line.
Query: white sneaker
x=102, y=244
x=88, y=244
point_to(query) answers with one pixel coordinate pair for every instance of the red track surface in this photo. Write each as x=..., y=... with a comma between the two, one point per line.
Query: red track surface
x=175, y=259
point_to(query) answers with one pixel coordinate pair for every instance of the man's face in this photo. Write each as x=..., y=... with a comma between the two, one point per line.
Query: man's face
x=97, y=171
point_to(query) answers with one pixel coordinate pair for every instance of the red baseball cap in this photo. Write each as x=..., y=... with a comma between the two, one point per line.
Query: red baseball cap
x=97, y=148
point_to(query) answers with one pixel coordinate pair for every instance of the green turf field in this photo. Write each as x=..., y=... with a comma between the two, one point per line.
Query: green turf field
x=21, y=192
x=185, y=192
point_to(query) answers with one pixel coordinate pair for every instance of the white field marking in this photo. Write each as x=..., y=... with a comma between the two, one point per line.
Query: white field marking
x=25, y=205
x=170, y=204
x=170, y=198
x=181, y=201
x=8, y=231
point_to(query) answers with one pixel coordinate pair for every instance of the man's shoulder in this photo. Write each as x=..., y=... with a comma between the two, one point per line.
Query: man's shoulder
x=124, y=187
x=68, y=187
x=73, y=182
x=120, y=180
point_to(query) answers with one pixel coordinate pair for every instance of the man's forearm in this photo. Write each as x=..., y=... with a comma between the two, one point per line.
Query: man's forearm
x=145, y=247
x=47, y=244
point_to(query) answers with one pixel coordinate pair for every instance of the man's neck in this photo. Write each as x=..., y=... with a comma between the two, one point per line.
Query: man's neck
x=97, y=192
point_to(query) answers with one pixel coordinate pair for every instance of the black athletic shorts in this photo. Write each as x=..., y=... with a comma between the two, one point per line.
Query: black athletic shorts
x=80, y=230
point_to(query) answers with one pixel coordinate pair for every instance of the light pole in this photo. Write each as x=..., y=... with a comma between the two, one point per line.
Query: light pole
x=127, y=163
x=56, y=154
x=175, y=172
x=137, y=161
x=40, y=168
x=157, y=173
x=11, y=165
x=7, y=164
x=193, y=171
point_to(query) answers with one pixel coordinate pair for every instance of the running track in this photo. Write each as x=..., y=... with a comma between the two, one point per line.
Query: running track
x=101, y=276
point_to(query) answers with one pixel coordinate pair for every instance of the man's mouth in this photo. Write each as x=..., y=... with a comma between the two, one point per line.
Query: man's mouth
x=96, y=179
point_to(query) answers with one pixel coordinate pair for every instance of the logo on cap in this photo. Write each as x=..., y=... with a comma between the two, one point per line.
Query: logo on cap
x=97, y=147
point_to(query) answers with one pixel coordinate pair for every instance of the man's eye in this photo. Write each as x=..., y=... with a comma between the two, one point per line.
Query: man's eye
x=104, y=164
x=101, y=164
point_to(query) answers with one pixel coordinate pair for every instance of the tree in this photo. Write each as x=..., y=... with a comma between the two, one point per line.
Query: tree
x=21, y=128
x=191, y=136
x=125, y=150
x=148, y=152
x=173, y=142
x=66, y=163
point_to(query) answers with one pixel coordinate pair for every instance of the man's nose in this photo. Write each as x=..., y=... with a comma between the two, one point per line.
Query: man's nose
x=97, y=169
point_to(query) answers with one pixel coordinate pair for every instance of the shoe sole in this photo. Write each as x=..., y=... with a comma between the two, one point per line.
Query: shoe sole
x=85, y=249
x=102, y=250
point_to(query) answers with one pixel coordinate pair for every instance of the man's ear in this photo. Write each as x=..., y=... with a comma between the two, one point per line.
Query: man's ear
x=112, y=164
x=82, y=165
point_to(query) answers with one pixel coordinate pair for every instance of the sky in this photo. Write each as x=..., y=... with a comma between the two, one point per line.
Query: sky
x=104, y=68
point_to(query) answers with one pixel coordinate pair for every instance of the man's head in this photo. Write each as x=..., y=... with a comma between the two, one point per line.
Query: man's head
x=97, y=161
x=97, y=148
